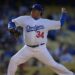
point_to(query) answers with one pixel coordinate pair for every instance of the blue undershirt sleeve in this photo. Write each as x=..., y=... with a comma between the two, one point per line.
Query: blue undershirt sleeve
x=63, y=18
x=11, y=25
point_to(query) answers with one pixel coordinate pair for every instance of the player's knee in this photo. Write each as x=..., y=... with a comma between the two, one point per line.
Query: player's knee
x=54, y=64
x=13, y=60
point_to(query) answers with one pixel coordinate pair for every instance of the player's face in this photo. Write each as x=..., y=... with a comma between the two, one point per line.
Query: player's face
x=35, y=13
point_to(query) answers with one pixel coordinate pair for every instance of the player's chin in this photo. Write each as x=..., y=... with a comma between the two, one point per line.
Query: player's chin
x=34, y=15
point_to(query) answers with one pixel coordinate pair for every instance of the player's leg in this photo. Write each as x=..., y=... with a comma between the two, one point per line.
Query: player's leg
x=44, y=56
x=20, y=57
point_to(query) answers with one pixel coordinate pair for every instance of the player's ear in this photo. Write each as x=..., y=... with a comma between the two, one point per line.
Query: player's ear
x=41, y=14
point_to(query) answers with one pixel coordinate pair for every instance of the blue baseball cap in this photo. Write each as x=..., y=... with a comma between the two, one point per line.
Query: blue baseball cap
x=37, y=7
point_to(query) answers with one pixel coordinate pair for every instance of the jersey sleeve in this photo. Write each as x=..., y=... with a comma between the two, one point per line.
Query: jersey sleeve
x=18, y=21
x=53, y=25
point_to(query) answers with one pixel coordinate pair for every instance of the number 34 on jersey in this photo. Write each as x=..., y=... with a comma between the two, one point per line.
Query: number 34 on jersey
x=39, y=34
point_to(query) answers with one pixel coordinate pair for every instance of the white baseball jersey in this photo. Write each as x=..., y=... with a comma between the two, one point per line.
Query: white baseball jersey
x=35, y=31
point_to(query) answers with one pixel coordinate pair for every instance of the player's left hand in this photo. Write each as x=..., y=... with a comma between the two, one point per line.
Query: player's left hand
x=15, y=33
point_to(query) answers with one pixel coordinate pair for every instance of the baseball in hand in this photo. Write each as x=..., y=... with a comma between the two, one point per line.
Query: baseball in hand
x=63, y=10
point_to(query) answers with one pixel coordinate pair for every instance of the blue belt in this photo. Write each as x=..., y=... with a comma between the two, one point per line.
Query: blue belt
x=33, y=46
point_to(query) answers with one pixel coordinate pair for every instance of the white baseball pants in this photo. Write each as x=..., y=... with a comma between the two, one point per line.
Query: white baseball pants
x=42, y=54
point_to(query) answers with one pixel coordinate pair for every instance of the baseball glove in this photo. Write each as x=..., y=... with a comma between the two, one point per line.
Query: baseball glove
x=16, y=33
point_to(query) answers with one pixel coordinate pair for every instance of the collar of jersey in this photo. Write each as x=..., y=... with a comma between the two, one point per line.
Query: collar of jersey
x=36, y=18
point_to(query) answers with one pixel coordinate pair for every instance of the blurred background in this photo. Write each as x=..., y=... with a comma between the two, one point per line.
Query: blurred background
x=61, y=43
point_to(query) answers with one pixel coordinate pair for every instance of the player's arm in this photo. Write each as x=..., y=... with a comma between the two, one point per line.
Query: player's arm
x=13, y=29
x=14, y=24
x=63, y=17
x=55, y=25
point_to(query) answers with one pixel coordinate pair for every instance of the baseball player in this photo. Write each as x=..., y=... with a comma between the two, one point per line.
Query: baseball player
x=35, y=29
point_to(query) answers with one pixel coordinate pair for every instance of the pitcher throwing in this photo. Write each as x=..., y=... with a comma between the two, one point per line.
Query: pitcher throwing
x=35, y=29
